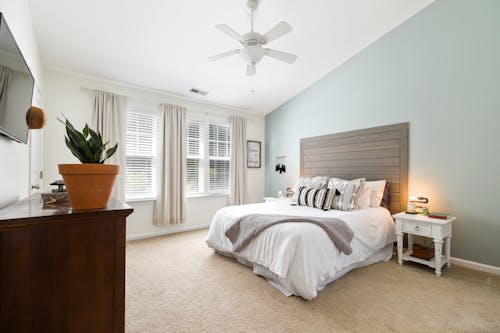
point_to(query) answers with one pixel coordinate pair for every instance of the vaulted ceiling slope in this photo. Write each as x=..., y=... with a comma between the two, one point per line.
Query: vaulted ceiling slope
x=164, y=44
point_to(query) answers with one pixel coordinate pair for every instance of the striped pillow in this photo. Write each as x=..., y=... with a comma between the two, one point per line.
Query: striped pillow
x=316, y=197
x=317, y=182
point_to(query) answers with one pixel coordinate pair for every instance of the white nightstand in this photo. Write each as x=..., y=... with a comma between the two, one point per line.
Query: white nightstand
x=437, y=229
x=269, y=199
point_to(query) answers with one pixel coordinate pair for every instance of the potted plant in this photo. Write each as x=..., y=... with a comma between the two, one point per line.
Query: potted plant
x=89, y=184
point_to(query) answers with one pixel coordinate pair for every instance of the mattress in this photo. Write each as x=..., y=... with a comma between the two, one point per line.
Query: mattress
x=299, y=258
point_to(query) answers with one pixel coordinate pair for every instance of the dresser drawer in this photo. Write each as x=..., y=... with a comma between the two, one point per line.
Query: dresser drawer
x=417, y=229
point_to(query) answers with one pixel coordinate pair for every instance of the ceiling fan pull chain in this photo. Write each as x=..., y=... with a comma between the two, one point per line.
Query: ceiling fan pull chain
x=251, y=20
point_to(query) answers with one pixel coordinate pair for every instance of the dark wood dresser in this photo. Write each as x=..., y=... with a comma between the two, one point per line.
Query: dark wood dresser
x=62, y=270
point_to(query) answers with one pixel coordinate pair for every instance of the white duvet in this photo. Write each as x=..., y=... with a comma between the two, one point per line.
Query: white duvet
x=299, y=258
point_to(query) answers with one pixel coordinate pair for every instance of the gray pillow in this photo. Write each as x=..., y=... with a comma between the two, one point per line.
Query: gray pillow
x=347, y=192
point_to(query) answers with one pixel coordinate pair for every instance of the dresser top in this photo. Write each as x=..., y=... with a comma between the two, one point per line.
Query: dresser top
x=32, y=209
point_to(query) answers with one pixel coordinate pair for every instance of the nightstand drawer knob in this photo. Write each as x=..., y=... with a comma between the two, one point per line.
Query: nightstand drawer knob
x=417, y=228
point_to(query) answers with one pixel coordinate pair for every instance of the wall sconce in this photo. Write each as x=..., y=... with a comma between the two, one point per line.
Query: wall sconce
x=416, y=205
x=280, y=164
x=280, y=167
x=35, y=118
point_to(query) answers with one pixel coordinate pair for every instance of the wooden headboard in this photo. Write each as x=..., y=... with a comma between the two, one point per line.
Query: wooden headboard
x=374, y=153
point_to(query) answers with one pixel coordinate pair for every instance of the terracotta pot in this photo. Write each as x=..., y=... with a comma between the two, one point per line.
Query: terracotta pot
x=89, y=185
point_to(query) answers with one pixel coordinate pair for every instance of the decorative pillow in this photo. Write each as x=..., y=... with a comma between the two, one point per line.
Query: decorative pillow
x=364, y=198
x=316, y=197
x=347, y=193
x=385, y=198
x=376, y=189
x=371, y=194
x=316, y=182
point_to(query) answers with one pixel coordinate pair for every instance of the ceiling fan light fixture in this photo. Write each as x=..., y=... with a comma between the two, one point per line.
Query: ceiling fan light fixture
x=252, y=51
x=252, y=54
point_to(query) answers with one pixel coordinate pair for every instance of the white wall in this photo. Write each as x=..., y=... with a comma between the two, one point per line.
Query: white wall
x=64, y=94
x=14, y=157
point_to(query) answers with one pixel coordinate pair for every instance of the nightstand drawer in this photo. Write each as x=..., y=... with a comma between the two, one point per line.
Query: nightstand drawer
x=417, y=229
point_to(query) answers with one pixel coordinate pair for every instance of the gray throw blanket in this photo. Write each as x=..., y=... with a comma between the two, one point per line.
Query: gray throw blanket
x=248, y=227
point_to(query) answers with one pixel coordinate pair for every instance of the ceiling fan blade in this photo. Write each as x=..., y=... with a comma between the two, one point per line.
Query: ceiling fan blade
x=223, y=55
x=282, y=56
x=229, y=31
x=251, y=69
x=279, y=30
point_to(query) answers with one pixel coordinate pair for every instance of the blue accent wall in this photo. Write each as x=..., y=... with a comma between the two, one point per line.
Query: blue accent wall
x=440, y=71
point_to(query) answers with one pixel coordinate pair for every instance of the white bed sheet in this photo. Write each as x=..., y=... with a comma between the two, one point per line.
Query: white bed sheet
x=300, y=256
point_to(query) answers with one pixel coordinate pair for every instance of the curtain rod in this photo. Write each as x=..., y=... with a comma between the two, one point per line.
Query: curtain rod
x=133, y=99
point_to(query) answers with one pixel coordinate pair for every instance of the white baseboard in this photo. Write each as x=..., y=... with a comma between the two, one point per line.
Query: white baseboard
x=168, y=232
x=476, y=265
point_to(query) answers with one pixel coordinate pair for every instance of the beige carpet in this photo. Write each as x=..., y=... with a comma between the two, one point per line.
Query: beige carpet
x=177, y=284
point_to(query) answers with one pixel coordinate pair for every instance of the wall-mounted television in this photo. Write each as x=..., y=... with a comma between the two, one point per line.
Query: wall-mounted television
x=16, y=87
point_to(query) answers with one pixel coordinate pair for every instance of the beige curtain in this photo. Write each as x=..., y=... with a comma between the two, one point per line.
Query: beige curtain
x=238, y=169
x=109, y=118
x=170, y=202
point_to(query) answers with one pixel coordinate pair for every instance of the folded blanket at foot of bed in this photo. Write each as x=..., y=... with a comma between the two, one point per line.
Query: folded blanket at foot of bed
x=248, y=227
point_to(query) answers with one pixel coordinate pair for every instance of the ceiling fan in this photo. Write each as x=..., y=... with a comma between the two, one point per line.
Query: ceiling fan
x=252, y=42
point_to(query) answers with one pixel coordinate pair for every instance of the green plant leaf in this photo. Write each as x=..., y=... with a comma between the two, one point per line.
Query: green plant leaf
x=86, y=130
x=74, y=151
x=110, y=152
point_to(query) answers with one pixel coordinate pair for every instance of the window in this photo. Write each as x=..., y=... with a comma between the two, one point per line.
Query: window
x=218, y=141
x=195, y=154
x=140, y=156
x=207, y=162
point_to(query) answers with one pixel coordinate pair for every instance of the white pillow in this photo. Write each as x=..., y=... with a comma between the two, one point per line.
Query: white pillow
x=376, y=192
x=364, y=198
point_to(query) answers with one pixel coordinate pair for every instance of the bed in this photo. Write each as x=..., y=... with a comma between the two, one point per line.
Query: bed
x=299, y=258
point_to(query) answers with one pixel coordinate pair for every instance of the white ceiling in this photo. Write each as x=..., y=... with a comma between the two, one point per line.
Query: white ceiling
x=164, y=44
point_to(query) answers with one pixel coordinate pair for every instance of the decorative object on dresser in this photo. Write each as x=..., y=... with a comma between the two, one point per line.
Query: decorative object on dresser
x=62, y=270
x=253, y=154
x=57, y=196
x=437, y=229
x=89, y=184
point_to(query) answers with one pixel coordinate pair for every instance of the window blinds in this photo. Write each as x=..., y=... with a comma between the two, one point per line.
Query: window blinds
x=219, y=142
x=194, y=159
x=141, y=151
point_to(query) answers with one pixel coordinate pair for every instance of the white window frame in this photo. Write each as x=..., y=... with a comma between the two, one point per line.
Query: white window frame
x=206, y=120
x=153, y=110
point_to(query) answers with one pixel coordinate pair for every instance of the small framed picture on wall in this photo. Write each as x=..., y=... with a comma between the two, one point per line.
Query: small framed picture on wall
x=253, y=154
